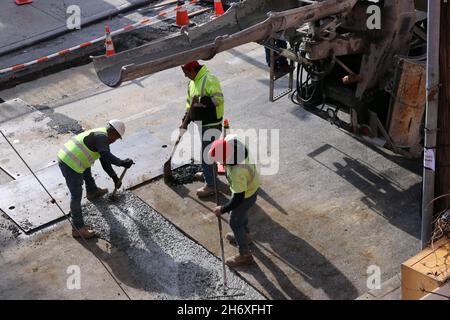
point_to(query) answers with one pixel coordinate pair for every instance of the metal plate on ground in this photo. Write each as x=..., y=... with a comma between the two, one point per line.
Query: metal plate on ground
x=34, y=134
x=26, y=202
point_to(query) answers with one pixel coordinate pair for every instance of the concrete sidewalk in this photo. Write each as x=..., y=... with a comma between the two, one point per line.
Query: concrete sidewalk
x=19, y=24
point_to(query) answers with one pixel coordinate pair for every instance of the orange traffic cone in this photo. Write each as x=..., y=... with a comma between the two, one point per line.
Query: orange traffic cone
x=220, y=167
x=110, y=51
x=182, y=16
x=218, y=8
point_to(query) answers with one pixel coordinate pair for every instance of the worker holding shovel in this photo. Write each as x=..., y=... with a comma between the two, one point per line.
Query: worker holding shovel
x=75, y=159
x=243, y=179
x=205, y=106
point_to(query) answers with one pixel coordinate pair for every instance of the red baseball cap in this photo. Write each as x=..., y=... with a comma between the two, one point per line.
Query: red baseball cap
x=220, y=151
x=191, y=65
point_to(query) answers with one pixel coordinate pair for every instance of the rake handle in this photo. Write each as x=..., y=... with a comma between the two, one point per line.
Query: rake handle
x=220, y=233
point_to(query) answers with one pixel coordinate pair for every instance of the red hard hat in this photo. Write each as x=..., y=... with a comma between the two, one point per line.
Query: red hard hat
x=191, y=65
x=220, y=151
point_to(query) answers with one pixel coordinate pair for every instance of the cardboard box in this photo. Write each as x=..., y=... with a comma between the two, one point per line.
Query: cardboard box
x=426, y=271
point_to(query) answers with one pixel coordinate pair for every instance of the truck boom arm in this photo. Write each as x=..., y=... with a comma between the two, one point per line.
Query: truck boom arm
x=244, y=22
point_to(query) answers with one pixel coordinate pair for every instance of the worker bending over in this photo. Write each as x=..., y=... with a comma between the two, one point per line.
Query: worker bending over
x=75, y=159
x=243, y=179
x=205, y=105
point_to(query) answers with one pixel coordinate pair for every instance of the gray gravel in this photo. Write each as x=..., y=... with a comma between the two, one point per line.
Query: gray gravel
x=166, y=262
x=59, y=122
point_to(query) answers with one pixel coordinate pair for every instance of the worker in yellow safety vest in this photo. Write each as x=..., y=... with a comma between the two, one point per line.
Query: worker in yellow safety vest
x=75, y=159
x=243, y=178
x=205, y=107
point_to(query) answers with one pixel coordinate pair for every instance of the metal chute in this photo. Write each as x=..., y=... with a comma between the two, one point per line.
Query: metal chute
x=248, y=21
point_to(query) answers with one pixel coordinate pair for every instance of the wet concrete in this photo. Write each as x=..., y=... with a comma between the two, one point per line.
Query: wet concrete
x=166, y=261
x=9, y=231
x=184, y=175
x=59, y=122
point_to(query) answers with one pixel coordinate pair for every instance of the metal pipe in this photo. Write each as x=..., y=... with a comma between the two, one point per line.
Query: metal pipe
x=434, y=17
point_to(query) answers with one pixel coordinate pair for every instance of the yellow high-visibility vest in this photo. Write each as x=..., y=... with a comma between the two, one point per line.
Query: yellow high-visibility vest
x=207, y=85
x=76, y=154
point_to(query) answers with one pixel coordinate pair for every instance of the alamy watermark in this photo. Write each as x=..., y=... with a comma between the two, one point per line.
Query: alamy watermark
x=73, y=17
x=374, y=19
x=74, y=279
x=373, y=277
x=263, y=145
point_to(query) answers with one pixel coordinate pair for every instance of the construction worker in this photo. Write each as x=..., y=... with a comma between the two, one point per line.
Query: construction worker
x=205, y=105
x=243, y=178
x=75, y=159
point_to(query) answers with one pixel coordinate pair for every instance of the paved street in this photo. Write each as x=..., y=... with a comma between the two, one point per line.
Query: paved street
x=335, y=206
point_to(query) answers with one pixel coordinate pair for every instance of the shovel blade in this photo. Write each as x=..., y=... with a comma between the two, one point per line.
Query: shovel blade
x=167, y=172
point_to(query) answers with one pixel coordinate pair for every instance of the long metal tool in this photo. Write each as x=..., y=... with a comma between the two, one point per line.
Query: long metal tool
x=222, y=251
x=236, y=292
x=167, y=171
x=113, y=194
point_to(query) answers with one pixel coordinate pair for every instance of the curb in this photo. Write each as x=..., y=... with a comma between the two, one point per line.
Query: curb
x=80, y=54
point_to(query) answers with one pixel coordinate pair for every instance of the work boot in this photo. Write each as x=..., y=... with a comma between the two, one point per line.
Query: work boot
x=205, y=191
x=199, y=176
x=232, y=240
x=240, y=260
x=96, y=194
x=83, y=232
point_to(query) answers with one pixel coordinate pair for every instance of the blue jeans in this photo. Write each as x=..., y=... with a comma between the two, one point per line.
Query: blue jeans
x=239, y=223
x=212, y=133
x=74, y=182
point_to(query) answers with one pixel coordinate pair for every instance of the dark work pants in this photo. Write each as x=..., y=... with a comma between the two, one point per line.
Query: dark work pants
x=74, y=182
x=207, y=140
x=239, y=223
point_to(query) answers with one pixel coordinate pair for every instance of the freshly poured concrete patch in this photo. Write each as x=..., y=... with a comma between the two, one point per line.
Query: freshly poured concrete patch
x=169, y=264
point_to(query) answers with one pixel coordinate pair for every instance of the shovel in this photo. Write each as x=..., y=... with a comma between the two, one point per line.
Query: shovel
x=167, y=172
x=112, y=197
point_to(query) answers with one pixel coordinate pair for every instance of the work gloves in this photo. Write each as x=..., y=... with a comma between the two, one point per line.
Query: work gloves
x=127, y=163
x=117, y=182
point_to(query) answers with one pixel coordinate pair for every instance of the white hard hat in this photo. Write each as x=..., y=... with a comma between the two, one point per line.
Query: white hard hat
x=119, y=126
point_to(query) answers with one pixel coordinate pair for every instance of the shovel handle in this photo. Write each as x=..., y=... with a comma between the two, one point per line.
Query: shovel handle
x=219, y=220
x=176, y=143
x=120, y=179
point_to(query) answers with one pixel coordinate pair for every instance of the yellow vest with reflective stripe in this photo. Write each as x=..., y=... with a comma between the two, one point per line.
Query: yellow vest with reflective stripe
x=76, y=154
x=207, y=85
